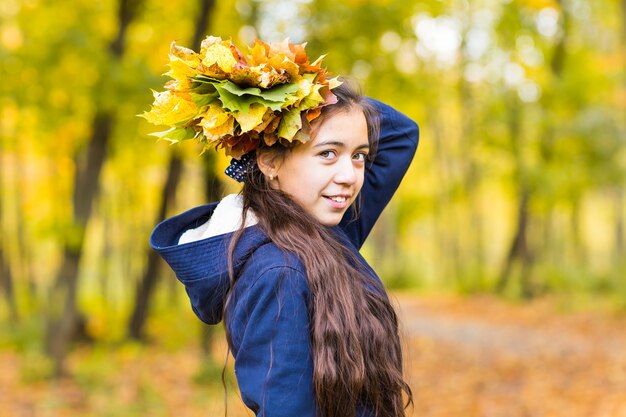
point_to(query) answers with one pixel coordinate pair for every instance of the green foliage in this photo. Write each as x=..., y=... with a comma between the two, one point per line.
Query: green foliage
x=24, y=335
x=209, y=373
x=36, y=368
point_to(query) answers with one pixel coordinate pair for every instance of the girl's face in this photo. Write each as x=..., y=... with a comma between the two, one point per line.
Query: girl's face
x=326, y=174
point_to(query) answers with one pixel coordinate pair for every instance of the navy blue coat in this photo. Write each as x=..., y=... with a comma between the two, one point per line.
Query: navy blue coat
x=268, y=314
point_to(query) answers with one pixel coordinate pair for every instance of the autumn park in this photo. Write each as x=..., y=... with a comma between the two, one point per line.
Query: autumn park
x=503, y=250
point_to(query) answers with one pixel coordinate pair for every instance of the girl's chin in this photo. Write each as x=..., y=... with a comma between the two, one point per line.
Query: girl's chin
x=330, y=219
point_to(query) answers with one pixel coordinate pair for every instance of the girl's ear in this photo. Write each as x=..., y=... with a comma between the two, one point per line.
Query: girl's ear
x=268, y=162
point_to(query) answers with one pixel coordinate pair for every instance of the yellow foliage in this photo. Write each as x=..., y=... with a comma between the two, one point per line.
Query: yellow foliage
x=170, y=109
x=254, y=117
x=541, y=4
x=216, y=123
x=179, y=69
x=220, y=55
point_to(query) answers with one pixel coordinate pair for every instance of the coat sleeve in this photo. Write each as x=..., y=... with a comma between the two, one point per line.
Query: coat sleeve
x=399, y=136
x=271, y=344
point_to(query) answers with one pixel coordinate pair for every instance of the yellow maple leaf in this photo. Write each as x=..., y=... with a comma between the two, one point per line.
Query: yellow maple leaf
x=268, y=118
x=220, y=55
x=189, y=56
x=247, y=76
x=219, y=132
x=183, y=63
x=208, y=41
x=262, y=75
x=254, y=117
x=170, y=109
x=286, y=48
x=290, y=123
x=223, y=53
x=216, y=122
x=258, y=53
x=273, y=125
x=285, y=65
x=313, y=99
x=304, y=90
x=214, y=115
x=180, y=70
x=180, y=86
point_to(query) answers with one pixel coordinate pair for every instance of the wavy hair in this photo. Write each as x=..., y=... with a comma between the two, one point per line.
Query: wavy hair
x=356, y=348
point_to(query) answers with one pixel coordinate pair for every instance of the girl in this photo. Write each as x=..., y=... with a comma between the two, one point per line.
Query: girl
x=309, y=323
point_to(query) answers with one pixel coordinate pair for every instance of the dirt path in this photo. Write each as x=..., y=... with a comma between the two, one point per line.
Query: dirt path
x=466, y=357
x=484, y=358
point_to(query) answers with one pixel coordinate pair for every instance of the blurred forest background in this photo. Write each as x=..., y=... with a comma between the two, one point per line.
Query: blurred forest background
x=518, y=187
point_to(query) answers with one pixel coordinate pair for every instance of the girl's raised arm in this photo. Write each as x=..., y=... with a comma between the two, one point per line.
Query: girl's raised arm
x=399, y=137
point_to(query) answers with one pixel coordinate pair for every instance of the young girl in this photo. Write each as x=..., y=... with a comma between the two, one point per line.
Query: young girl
x=309, y=323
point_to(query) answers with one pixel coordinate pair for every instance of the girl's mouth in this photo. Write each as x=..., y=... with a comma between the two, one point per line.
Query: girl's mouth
x=337, y=201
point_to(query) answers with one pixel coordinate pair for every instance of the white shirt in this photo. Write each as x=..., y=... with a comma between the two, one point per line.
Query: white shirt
x=225, y=219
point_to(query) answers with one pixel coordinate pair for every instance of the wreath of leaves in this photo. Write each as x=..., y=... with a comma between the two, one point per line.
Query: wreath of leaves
x=231, y=101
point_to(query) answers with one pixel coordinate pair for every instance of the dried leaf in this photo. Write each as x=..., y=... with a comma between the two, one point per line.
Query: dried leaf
x=176, y=134
x=290, y=124
x=170, y=109
x=251, y=119
x=220, y=55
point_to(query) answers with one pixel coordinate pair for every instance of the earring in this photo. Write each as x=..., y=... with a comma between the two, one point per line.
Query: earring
x=271, y=177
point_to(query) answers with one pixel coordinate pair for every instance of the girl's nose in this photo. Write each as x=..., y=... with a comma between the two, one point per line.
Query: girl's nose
x=346, y=172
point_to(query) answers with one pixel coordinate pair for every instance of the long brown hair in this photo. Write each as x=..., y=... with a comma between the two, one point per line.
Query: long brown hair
x=356, y=349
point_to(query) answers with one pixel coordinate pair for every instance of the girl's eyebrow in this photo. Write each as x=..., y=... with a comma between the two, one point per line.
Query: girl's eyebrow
x=340, y=144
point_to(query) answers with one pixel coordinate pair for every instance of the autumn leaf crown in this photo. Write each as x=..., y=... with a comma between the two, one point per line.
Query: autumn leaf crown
x=233, y=101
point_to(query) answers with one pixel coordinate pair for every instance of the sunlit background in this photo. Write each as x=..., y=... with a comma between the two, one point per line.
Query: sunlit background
x=516, y=197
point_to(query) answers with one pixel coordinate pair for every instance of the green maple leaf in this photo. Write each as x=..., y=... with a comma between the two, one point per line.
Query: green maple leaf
x=290, y=124
x=175, y=134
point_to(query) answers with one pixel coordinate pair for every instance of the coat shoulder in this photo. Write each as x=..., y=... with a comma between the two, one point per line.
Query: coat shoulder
x=268, y=264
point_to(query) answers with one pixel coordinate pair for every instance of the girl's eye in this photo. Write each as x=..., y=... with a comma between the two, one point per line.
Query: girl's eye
x=361, y=157
x=327, y=154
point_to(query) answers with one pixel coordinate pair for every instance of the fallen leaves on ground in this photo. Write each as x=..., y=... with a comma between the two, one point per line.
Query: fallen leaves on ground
x=466, y=357
x=482, y=357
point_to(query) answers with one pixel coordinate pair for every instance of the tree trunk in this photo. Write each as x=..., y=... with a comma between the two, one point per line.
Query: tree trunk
x=579, y=248
x=202, y=22
x=6, y=279
x=446, y=227
x=63, y=316
x=63, y=320
x=519, y=245
x=145, y=288
x=471, y=174
x=620, y=241
x=519, y=248
x=620, y=230
x=624, y=20
x=214, y=187
x=6, y=285
x=22, y=267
